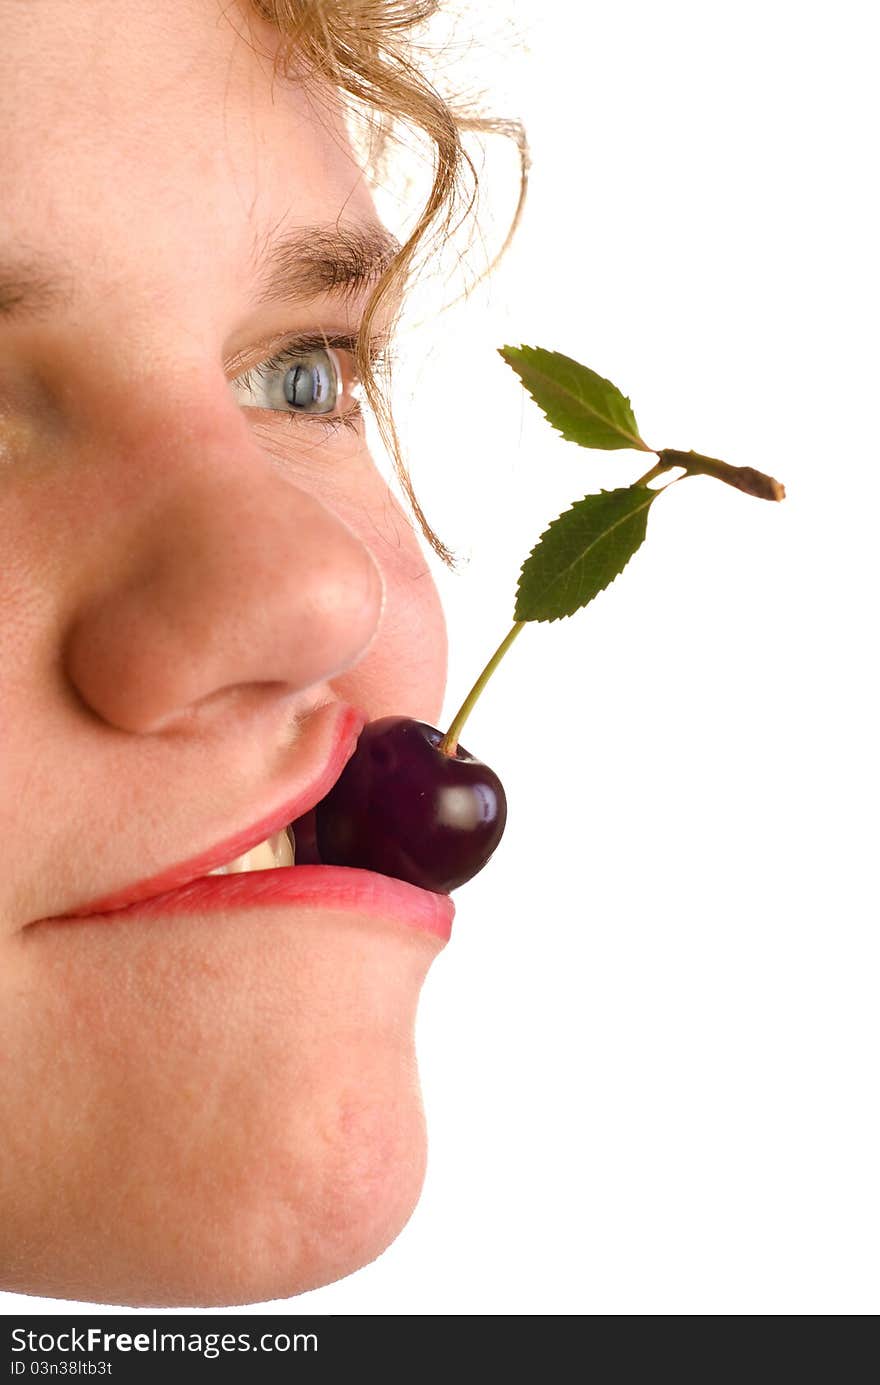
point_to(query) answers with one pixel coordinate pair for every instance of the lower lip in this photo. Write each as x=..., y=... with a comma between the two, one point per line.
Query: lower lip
x=332, y=888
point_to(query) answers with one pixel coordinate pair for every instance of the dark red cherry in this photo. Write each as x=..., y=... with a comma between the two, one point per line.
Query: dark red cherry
x=404, y=808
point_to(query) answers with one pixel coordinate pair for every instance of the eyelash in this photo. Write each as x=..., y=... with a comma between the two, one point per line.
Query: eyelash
x=302, y=344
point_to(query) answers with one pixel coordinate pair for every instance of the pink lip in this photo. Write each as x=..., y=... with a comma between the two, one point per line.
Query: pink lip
x=306, y=887
x=187, y=887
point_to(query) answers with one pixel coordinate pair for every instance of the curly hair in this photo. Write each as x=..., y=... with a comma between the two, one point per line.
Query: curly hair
x=364, y=48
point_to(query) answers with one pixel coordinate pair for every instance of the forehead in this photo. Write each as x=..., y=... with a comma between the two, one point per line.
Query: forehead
x=139, y=135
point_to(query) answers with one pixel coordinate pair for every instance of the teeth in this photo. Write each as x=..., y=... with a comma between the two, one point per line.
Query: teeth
x=278, y=850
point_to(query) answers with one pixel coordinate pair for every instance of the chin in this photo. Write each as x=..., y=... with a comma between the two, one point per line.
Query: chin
x=210, y=1112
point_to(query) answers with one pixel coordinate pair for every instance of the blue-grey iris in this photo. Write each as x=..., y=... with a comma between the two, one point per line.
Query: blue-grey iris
x=313, y=386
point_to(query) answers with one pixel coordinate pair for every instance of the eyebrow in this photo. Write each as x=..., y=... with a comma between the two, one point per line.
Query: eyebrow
x=340, y=260
x=311, y=261
x=26, y=290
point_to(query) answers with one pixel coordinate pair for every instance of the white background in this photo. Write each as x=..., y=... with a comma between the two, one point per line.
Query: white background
x=649, y=1054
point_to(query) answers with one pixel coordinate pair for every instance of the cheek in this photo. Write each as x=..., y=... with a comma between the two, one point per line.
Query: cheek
x=186, y=1126
x=405, y=668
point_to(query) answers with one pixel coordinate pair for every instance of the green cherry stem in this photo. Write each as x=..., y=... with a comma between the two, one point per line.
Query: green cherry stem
x=449, y=743
x=655, y=471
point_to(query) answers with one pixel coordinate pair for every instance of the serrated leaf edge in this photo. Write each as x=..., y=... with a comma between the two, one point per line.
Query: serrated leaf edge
x=637, y=440
x=548, y=620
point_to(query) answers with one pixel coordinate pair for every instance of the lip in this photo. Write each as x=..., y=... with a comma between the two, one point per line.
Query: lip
x=332, y=888
x=188, y=888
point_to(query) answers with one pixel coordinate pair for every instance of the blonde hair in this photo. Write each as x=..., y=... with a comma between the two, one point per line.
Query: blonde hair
x=364, y=49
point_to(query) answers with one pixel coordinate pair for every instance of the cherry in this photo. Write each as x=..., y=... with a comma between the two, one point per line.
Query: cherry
x=407, y=808
x=411, y=802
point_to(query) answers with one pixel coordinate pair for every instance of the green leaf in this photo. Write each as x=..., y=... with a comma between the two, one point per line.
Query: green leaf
x=581, y=552
x=583, y=406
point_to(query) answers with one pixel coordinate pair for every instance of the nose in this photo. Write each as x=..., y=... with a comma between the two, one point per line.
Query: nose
x=215, y=572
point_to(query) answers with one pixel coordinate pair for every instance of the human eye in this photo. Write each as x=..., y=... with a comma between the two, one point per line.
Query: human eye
x=310, y=376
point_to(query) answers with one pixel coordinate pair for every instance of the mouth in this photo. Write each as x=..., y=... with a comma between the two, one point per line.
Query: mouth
x=275, y=863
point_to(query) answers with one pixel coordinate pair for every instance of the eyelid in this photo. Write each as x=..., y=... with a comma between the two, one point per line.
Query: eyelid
x=348, y=378
x=250, y=381
x=266, y=352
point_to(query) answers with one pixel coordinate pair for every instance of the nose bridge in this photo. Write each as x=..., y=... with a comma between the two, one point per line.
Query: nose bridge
x=226, y=573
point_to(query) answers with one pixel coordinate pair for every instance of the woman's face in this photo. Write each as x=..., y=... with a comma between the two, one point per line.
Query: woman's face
x=214, y=1102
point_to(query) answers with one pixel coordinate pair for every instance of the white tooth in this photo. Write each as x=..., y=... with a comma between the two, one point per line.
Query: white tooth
x=283, y=848
x=277, y=850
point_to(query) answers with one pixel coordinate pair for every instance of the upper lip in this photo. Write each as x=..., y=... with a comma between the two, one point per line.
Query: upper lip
x=299, y=796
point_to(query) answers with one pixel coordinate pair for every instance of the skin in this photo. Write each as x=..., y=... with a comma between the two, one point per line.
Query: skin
x=204, y=1109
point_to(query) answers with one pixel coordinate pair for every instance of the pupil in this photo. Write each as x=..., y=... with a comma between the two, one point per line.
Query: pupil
x=310, y=388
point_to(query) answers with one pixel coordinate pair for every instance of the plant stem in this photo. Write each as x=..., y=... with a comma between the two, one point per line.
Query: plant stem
x=449, y=743
x=655, y=471
x=744, y=478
